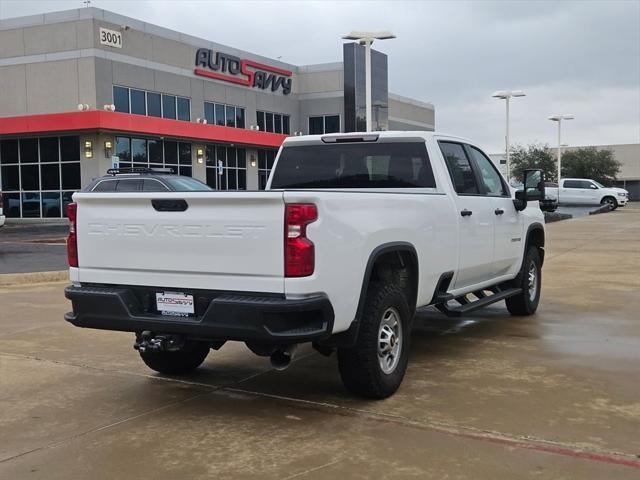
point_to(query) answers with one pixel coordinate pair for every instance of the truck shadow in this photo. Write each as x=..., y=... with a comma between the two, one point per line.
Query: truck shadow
x=438, y=342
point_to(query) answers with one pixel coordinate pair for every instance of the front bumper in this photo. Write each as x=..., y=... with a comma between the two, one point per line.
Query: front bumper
x=218, y=315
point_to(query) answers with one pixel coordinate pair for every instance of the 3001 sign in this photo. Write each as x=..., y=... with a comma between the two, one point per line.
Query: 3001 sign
x=110, y=38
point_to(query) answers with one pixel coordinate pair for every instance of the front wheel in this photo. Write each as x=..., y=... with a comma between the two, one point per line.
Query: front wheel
x=184, y=360
x=609, y=201
x=375, y=366
x=530, y=281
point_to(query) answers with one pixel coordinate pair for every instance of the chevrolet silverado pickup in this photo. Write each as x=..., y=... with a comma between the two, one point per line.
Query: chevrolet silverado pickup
x=584, y=191
x=353, y=233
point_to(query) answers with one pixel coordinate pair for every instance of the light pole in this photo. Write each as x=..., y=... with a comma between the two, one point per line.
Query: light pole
x=366, y=39
x=559, y=118
x=506, y=95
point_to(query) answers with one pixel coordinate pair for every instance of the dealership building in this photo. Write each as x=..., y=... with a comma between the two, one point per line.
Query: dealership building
x=84, y=90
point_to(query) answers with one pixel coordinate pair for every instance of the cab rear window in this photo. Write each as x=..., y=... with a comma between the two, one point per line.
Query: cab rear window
x=354, y=165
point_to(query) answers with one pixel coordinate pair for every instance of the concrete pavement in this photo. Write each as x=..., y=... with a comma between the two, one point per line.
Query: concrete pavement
x=550, y=396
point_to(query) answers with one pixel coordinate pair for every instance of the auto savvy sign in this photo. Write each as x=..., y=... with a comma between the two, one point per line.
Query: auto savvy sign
x=229, y=68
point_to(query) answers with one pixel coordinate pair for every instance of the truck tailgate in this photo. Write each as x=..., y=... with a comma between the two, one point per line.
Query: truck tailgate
x=223, y=240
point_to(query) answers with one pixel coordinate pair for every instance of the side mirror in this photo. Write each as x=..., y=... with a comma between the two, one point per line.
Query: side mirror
x=532, y=188
x=593, y=186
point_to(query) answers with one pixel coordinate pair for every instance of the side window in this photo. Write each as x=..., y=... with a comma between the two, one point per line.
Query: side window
x=572, y=184
x=587, y=184
x=462, y=176
x=129, y=185
x=105, y=186
x=489, y=174
x=150, y=185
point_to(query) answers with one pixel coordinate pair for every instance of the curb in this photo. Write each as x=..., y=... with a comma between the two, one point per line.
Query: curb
x=14, y=279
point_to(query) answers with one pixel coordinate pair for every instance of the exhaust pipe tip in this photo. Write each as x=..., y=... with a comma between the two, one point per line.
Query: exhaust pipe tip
x=281, y=358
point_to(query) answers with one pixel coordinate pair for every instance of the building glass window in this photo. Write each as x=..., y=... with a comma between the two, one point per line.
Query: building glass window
x=169, y=106
x=260, y=121
x=226, y=167
x=184, y=159
x=154, y=153
x=209, y=113
x=231, y=116
x=123, y=151
x=184, y=109
x=266, y=157
x=224, y=115
x=269, y=122
x=138, y=102
x=239, y=117
x=219, y=110
x=154, y=104
x=69, y=149
x=321, y=124
x=29, y=150
x=121, y=99
x=39, y=175
x=332, y=124
x=139, y=152
x=273, y=122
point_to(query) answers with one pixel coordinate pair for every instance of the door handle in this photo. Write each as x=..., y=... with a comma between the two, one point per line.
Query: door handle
x=169, y=205
x=498, y=211
x=466, y=213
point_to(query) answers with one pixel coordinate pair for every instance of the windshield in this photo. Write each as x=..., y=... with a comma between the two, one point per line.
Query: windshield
x=354, y=165
x=598, y=184
x=187, y=184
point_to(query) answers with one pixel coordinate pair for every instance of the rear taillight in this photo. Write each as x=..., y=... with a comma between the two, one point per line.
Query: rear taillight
x=0, y=200
x=72, y=240
x=299, y=251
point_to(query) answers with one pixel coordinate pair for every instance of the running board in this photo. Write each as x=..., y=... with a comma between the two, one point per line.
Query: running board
x=467, y=306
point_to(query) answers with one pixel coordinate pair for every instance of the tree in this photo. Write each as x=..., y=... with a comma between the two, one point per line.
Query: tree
x=535, y=155
x=589, y=162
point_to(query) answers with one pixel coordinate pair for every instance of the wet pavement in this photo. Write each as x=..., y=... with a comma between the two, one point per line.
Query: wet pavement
x=555, y=395
x=33, y=248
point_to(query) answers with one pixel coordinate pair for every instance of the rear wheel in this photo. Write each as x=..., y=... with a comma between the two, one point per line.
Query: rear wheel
x=610, y=201
x=530, y=281
x=184, y=360
x=375, y=366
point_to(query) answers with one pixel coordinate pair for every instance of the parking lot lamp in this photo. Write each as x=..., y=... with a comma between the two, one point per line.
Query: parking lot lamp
x=506, y=95
x=366, y=39
x=559, y=118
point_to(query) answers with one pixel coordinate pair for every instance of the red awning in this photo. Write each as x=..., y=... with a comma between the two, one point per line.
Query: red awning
x=134, y=124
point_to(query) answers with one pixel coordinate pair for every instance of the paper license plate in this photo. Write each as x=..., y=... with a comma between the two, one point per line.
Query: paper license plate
x=174, y=303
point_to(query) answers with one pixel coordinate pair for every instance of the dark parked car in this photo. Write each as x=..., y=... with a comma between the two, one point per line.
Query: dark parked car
x=145, y=180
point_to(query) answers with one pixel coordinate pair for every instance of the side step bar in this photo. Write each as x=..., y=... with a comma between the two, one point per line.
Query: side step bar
x=483, y=300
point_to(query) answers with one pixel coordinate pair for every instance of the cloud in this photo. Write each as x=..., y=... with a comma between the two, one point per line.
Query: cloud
x=581, y=57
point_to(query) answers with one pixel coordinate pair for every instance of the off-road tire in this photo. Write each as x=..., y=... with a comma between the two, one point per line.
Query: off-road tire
x=185, y=360
x=523, y=304
x=359, y=366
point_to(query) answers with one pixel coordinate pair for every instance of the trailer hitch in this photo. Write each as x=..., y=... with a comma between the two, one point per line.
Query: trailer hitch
x=152, y=342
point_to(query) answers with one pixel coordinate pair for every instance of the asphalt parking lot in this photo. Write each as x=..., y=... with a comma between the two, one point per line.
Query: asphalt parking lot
x=33, y=248
x=553, y=396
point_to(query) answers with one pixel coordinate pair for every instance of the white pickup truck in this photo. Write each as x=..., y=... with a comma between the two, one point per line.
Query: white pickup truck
x=354, y=232
x=584, y=191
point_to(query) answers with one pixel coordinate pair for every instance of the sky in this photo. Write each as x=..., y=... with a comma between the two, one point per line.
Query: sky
x=570, y=57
